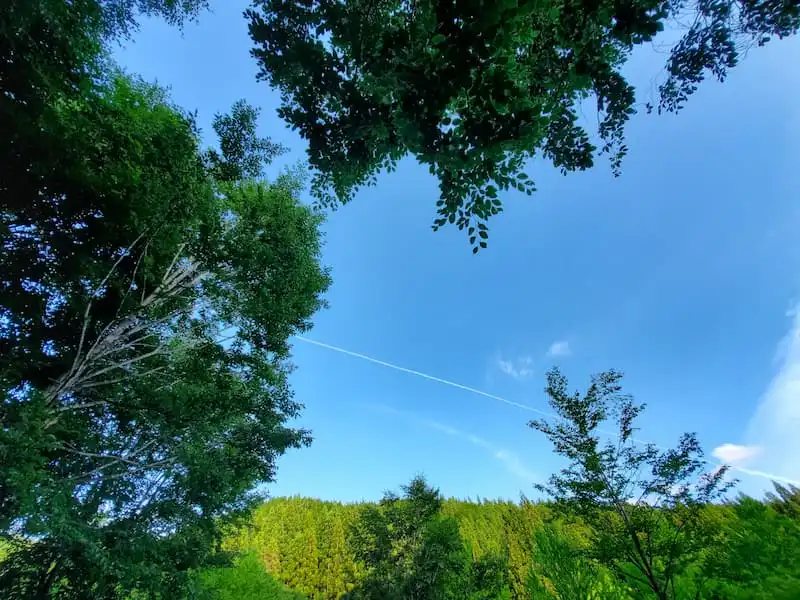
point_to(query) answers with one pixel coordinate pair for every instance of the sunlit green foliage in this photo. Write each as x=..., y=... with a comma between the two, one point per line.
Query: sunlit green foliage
x=282, y=529
x=761, y=556
x=561, y=570
x=246, y=579
x=545, y=556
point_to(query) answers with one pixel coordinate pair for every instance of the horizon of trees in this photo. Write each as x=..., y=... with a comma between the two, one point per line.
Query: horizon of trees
x=305, y=545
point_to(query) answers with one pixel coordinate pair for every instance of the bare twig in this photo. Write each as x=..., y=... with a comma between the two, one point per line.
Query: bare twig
x=87, y=312
x=115, y=459
x=125, y=363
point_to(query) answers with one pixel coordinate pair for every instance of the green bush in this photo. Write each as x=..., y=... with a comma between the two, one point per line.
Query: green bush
x=245, y=580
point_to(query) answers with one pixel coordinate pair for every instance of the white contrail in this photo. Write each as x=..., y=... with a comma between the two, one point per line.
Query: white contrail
x=526, y=407
x=778, y=478
x=425, y=376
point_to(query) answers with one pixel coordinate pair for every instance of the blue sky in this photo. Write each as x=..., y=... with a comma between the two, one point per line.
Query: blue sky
x=683, y=273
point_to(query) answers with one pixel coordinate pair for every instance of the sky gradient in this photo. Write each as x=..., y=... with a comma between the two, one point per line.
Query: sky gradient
x=684, y=273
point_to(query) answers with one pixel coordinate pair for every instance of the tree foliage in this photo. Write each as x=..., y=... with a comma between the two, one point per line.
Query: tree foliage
x=246, y=579
x=145, y=312
x=308, y=545
x=473, y=89
x=761, y=550
x=120, y=16
x=643, y=504
x=410, y=551
x=561, y=570
x=545, y=553
x=242, y=154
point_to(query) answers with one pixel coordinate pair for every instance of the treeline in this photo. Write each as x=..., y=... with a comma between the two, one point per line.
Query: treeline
x=304, y=544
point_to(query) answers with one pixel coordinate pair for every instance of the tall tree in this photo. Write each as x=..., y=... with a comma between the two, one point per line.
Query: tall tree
x=412, y=552
x=145, y=312
x=643, y=504
x=475, y=89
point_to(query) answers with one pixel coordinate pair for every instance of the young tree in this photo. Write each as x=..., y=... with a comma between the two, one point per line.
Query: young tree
x=475, y=89
x=411, y=552
x=145, y=312
x=643, y=504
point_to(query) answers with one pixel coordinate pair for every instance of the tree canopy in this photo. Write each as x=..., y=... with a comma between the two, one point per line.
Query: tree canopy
x=148, y=293
x=475, y=89
x=410, y=551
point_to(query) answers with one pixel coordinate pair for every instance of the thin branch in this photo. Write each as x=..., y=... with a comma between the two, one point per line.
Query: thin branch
x=153, y=465
x=119, y=380
x=116, y=459
x=222, y=340
x=86, y=313
x=647, y=571
x=80, y=406
x=125, y=363
x=174, y=260
x=142, y=254
x=153, y=489
x=84, y=386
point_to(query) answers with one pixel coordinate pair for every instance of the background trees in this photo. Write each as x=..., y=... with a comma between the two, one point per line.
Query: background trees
x=410, y=551
x=761, y=550
x=474, y=89
x=543, y=553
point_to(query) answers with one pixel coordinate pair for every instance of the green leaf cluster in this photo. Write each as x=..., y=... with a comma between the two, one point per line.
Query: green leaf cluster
x=474, y=90
x=410, y=550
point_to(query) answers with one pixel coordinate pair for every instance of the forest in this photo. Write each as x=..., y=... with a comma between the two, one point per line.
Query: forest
x=151, y=285
x=312, y=547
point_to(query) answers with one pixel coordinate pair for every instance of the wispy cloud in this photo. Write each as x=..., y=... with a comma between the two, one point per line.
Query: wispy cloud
x=515, y=465
x=773, y=443
x=520, y=368
x=736, y=454
x=559, y=348
x=510, y=460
